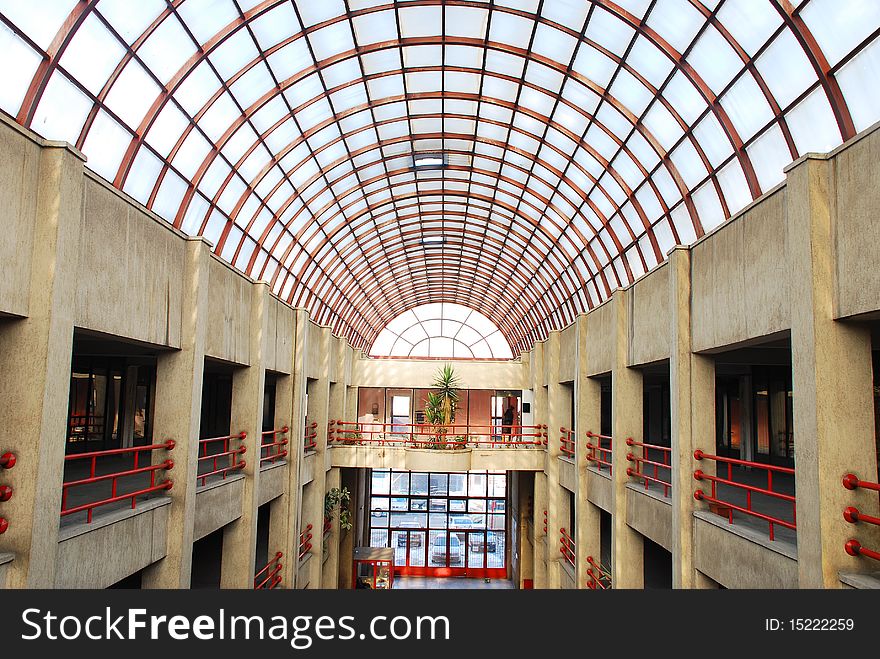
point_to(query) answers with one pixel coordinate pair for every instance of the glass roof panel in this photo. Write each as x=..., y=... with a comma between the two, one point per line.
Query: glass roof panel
x=586, y=118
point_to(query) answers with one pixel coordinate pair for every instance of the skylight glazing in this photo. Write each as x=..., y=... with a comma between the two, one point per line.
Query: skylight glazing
x=442, y=330
x=581, y=140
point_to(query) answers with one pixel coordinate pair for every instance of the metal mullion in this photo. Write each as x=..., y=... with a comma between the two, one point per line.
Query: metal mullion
x=535, y=16
x=293, y=117
x=543, y=138
x=371, y=108
x=477, y=119
x=403, y=70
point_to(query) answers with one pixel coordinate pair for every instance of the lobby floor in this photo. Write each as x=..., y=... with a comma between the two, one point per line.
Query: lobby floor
x=450, y=583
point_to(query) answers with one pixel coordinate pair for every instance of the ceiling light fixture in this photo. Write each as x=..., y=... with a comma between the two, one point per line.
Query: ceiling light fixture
x=429, y=161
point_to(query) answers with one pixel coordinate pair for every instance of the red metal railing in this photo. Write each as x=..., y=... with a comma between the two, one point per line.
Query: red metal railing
x=272, y=448
x=231, y=455
x=7, y=461
x=598, y=580
x=270, y=576
x=567, y=442
x=566, y=546
x=305, y=542
x=134, y=471
x=310, y=438
x=440, y=436
x=662, y=474
x=598, y=453
x=729, y=507
x=853, y=515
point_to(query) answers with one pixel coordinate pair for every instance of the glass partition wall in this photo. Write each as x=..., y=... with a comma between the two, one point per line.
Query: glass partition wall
x=441, y=524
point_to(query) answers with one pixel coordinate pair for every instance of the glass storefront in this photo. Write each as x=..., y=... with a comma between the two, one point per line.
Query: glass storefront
x=441, y=524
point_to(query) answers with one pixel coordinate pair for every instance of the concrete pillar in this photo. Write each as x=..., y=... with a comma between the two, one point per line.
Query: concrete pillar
x=692, y=403
x=558, y=415
x=279, y=524
x=540, y=543
x=285, y=510
x=330, y=569
x=588, y=416
x=177, y=416
x=627, y=549
x=248, y=394
x=35, y=358
x=318, y=411
x=832, y=383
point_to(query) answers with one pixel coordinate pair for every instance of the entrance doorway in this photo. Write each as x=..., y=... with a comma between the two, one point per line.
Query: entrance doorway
x=441, y=524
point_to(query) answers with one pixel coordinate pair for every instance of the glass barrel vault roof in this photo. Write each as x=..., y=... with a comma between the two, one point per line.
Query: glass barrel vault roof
x=580, y=140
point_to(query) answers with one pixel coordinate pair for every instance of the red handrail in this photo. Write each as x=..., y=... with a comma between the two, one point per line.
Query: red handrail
x=598, y=581
x=428, y=435
x=854, y=548
x=603, y=459
x=699, y=495
x=270, y=576
x=567, y=442
x=114, y=477
x=7, y=461
x=311, y=436
x=232, y=456
x=566, y=548
x=274, y=449
x=853, y=515
x=639, y=472
x=305, y=544
x=852, y=482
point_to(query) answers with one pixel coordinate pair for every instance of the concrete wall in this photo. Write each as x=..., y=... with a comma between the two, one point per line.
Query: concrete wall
x=90, y=555
x=599, y=490
x=650, y=515
x=567, y=474
x=568, y=354
x=740, y=277
x=649, y=301
x=272, y=482
x=279, y=348
x=735, y=561
x=411, y=373
x=229, y=304
x=855, y=225
x=218, y=504
x=19, y=173
x=130, y=269
x=600, y=339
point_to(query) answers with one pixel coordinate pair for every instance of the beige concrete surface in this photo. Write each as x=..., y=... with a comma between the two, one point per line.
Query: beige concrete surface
x=650, y=514
x=218, y=504
x=273, y=479
x=734, y=560
x=89, y=556
x=740, y=279
x=649, y=304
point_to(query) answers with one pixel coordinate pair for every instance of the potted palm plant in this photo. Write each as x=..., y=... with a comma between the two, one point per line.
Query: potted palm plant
x=440, y=405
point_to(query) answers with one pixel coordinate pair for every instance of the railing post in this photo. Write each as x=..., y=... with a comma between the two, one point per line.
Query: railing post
x=178, y=415
x=832, y=380
x=35, y=357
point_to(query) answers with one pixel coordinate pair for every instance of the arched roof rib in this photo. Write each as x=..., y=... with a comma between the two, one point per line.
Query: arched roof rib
x=582, y=139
